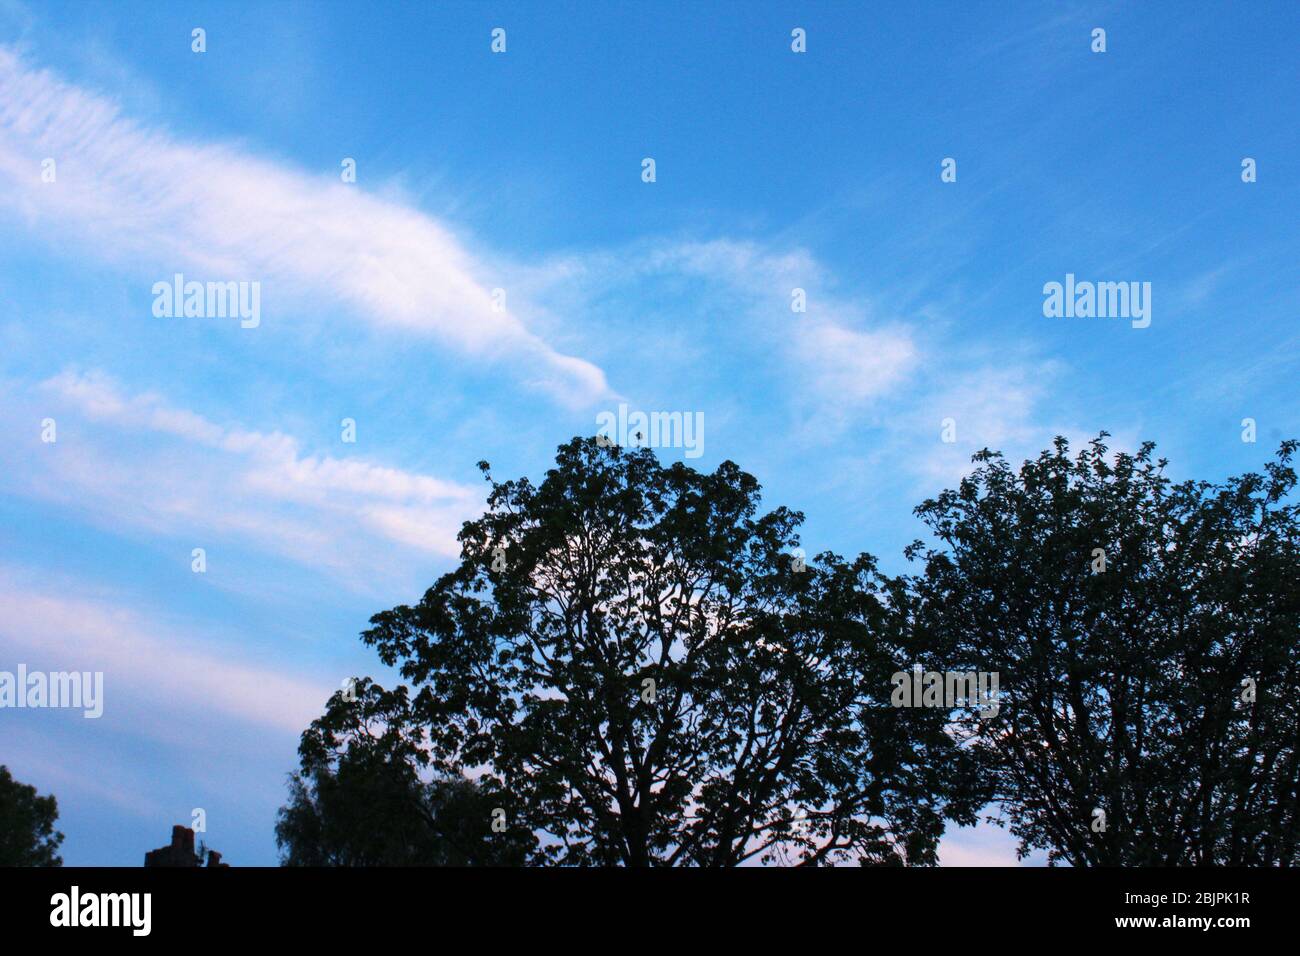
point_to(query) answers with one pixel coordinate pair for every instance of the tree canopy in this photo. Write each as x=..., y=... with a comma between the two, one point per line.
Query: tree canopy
x=639, y=668
x=1147, y=635
x=635, y=665
x=27, y=834
x=359, y=799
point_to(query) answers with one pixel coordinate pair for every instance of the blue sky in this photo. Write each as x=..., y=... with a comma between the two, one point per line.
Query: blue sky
x=521, y=171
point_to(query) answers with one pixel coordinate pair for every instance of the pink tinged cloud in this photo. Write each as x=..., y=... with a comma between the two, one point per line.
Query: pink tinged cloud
x=143, y=663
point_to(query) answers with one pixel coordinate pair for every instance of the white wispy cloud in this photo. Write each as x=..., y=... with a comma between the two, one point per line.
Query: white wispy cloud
x=853, y=364
x=856, y=365
x=145, y=667
x=128, y=192
x=169, y=470
x=989, y=407
x=841, y=348
x=838, y=346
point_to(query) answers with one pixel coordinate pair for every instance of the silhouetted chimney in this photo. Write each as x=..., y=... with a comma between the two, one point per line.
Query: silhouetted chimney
x=181, y=852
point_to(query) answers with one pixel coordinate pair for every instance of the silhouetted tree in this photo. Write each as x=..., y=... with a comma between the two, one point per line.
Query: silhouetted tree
x=27, y=834
x=1147, y=637
x=643, y=674
x=359, y=799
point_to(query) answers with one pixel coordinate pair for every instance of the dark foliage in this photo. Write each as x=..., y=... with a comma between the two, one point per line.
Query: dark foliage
x=27, y=834
x=359, y=799
x=1129, y=689
x=642, y=674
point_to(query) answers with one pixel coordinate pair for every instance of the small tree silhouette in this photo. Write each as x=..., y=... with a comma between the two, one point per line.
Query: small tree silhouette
x=359, y=800
x=27, y=834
